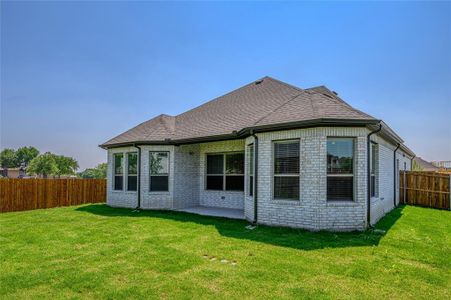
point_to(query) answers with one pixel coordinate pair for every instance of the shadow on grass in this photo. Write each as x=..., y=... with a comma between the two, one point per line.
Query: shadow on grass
x=279, y=236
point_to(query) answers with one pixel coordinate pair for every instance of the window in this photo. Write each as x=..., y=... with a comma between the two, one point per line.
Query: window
x=118, y=160
x=340, y=169
x=250, y=149
x=132, y=171
x=225, y=172
x=286, y=170
x=159, y=171
x=373, y=170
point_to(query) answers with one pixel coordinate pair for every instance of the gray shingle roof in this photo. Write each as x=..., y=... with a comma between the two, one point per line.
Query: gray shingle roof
x=261, y=103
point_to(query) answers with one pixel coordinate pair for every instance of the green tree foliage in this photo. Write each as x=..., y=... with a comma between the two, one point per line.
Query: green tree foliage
x=43, y=164
x=65, y=165
x=25, y=154
x=8, y=158
x=98, y=172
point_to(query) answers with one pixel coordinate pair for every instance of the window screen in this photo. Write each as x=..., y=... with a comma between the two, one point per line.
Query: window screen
x=159, y=171
x=118, y=160
x=225, y=172
x=286, y=170
x=340, y=169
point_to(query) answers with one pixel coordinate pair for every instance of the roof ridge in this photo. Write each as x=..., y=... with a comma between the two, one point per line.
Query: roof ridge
x=284, y=83
x=277, y=108
x=221, y=96
x=336, y=98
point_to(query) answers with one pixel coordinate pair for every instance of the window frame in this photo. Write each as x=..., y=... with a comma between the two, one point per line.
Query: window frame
x=128, y=169
x=159, y=175
x=274, y=175
x=224, y=171
x=117, y=174
x=374, y=170
x=250, y=170
x=352, y=175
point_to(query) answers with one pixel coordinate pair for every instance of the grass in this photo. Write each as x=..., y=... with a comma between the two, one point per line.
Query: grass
x=94, y=251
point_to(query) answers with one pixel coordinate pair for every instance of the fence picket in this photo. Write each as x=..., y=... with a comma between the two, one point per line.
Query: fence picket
x=428, y=189
x=35, y=193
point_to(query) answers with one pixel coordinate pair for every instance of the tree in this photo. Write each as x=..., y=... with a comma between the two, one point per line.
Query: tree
x=26, y=154
x=65, y=165
x=98, y=172
x=43, y=164
x=8, y=158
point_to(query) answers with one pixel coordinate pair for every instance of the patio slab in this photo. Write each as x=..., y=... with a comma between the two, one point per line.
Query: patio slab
x=215, y=211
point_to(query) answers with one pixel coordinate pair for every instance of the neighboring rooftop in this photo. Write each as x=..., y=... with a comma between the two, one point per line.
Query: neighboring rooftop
x=260, y=104
x=423, y=165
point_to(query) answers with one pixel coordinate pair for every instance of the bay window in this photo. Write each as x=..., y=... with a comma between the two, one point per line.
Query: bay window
x=132, y=171
x=340, y=169
x=118, y=161
x=251, y=169
x=159, y=171
x=373, y=170
x=286, y=170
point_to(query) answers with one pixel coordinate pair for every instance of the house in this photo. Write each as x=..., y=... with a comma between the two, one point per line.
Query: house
x=422, y=165
x=269, y=152
x=444, y=164
x=12, y=172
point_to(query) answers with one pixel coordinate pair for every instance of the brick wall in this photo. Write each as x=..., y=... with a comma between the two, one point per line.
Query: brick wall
x=382, y=203
x=187, y=176
x=312, y=211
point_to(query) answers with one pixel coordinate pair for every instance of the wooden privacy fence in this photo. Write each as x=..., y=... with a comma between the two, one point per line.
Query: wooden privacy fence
x=30, y=193
x=429, y=189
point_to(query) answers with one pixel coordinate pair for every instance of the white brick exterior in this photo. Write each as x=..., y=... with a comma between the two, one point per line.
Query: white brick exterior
x=311, y=211
x=383, y=202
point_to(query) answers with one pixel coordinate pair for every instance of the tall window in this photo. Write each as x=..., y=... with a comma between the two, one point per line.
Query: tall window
x=132, y=171
x=118, y=159
x=159, y=171
x=373, y=170
x=286, y=170
x=340, y=169
x=225, y=172
x=251, y=169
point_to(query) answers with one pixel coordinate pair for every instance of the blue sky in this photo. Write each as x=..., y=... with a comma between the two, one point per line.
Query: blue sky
x=75, y=74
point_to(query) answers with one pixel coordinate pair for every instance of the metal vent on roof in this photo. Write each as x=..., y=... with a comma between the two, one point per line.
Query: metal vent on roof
x=259, y=81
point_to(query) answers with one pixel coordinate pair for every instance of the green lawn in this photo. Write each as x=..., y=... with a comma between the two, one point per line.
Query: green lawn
x=94, y=251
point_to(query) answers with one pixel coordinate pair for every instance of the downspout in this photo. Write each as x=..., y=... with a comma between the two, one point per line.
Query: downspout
x=395, y=175
x=138, y=179
x=368, y=179
x=255, y=176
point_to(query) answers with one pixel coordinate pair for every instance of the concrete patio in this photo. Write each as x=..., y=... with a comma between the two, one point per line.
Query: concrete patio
x=215, y=211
